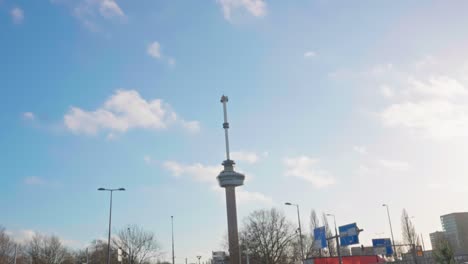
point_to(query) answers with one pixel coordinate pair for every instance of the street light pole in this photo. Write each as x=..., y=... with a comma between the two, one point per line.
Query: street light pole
x=129, y=243
x=391, y=231
x=172, y=224
x=16, y=254
x=300, y=230
x=338, y=249
x=110, y=220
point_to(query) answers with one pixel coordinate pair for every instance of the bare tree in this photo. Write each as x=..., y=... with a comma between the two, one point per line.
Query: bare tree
x=311, y=249
x=268, y=236
x=314, y=220
x=139, y=245
x=331, y=242
x=46, y=250
x=7, y=247
x=97, y=253
x=410, y=237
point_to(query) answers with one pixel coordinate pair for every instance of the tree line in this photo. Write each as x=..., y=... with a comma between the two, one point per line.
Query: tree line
x=266, y=235
x=138, y=246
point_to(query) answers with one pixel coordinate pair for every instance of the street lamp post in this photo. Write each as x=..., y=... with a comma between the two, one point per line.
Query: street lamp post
x=110, y=219
x=300, y=229
x=391, y=231
x=172, y=225
x=337, y=239
x=129, y=243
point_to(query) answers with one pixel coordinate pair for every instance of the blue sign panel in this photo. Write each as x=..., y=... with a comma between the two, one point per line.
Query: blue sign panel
x=320, y=237
x=383, y=243
x=349, y=234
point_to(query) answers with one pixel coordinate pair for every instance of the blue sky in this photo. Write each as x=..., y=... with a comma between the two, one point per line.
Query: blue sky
x=334, y=106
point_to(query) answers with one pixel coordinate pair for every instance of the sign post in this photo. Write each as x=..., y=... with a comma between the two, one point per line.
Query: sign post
x=382, y=246
x=349, y=234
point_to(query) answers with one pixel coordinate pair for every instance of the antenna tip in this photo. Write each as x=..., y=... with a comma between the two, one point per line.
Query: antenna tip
x=224, y=99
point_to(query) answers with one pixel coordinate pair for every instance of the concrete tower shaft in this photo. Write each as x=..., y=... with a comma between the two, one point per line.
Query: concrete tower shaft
x=229, y=179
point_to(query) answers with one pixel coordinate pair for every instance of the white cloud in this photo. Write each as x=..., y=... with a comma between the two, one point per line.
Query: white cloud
x=394, y=165
x=191, y=126
x=437, y=86
x=91, y=13
x=17, y=15
x=109, y=8
x=306, y=168
x=29, y=116
x=249, y=157
x=387, y=91
x=34, y=180
x=154, y=50
x=360, y=149
x=208, y=174
x=309, y=54
x=426, y=103
x=197, y=171
x=244, y=196
x=124, y=110
x=438, y=119
x=22, y=236
x=256, y=8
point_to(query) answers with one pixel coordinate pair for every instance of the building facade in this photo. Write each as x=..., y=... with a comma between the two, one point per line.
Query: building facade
x=219, y=257
x=436, y=238
x=455, y=227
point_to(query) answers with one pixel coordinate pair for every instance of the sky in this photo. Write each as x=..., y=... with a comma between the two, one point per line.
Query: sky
x=336, y=106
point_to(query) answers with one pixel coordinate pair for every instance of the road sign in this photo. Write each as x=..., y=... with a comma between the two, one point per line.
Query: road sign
x=320, y=237
x=419, y=251
x=349, y=234
x=382, y=246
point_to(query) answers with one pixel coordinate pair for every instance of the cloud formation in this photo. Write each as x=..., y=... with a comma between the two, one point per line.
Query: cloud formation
x=92, y=12
x=154, y=51
x=249, y=157
x=306, y=168
x=17, y=15
x=125, y=110
x=435, y=108
x=256, y=8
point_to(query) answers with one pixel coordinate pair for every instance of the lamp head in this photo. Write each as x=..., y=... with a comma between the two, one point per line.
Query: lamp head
x=101, y=189
x=121, y=189
x=288, y=203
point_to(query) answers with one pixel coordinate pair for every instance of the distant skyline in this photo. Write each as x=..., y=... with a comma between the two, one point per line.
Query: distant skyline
x=335, y=106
